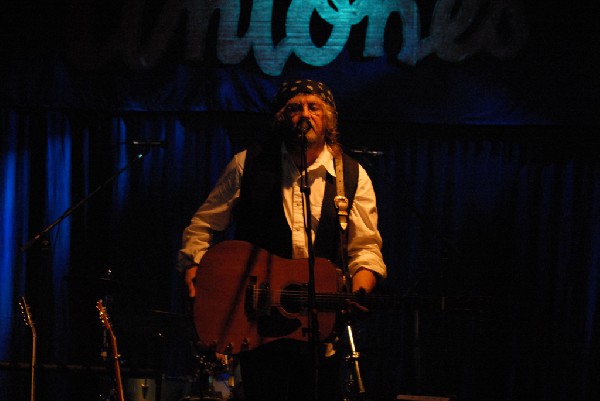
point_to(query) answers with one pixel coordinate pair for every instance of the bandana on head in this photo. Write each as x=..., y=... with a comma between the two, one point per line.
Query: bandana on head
x=289, y=89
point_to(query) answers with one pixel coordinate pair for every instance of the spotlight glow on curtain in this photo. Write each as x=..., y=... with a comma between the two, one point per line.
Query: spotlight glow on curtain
x=7, y=242
x=58, y=198
x=14, y=207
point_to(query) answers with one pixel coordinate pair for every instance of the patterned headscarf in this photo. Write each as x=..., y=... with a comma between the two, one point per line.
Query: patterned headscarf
x=289, y=89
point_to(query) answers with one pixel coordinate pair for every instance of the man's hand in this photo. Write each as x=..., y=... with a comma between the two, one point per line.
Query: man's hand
x=190, y=280
x=364, y=280
x=354, y=311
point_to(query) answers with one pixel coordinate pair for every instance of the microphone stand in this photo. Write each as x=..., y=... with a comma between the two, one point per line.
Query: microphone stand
x=313, y=323
x=72, y=209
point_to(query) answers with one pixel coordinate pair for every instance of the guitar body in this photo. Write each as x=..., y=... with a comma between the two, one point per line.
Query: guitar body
x=247, y=297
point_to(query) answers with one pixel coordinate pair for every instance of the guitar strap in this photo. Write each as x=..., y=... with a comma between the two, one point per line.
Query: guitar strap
x=341, y=204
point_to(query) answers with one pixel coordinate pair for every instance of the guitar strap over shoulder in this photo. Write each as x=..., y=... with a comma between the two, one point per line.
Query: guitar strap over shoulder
x=341, y=204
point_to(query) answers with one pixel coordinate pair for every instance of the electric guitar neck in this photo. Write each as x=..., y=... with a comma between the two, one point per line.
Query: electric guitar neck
x=27, y=317
x=115, y=353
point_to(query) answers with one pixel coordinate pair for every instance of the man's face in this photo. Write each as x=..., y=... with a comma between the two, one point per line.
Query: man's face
x=312, y=108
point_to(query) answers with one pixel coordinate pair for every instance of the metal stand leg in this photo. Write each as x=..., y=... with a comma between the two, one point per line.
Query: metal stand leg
x=356, y=388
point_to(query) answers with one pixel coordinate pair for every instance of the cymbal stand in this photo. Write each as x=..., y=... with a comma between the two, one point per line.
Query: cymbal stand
x=354, y=383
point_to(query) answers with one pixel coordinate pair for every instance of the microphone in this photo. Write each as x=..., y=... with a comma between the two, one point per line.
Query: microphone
x=147, y=144
x=365, y=151
x=304, y=125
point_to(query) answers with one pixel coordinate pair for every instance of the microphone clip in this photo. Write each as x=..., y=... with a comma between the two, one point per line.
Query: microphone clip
x=146, y=143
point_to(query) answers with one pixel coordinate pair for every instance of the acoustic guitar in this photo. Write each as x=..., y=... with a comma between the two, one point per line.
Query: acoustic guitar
x=247, y=297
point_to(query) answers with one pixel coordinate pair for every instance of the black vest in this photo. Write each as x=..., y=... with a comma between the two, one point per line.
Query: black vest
x=260, y=218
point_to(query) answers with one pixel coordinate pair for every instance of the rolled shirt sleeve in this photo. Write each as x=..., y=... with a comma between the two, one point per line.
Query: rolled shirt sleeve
x=364, y=239
x=214, y=215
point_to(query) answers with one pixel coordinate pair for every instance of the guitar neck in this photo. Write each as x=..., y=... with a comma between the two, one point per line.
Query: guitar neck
x=337, y=301
x=115, y=352
x=33, y=364
x=117, y=366
x=29, y=322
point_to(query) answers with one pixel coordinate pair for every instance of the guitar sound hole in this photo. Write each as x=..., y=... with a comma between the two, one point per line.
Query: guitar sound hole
x=294, y=298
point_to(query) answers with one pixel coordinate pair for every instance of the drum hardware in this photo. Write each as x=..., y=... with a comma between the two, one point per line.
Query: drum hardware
x=215, y=373
x=107, y=284
x=142, y=389
x=162, y=387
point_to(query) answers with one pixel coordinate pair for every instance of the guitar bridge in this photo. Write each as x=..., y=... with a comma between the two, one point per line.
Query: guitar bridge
x=257, y=299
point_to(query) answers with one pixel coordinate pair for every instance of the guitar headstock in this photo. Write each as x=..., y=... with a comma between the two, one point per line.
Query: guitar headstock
x=115, y=353
x=27, y=317
x=104, y=318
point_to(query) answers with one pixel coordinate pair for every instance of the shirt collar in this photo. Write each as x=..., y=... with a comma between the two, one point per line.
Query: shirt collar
x=325, y=159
